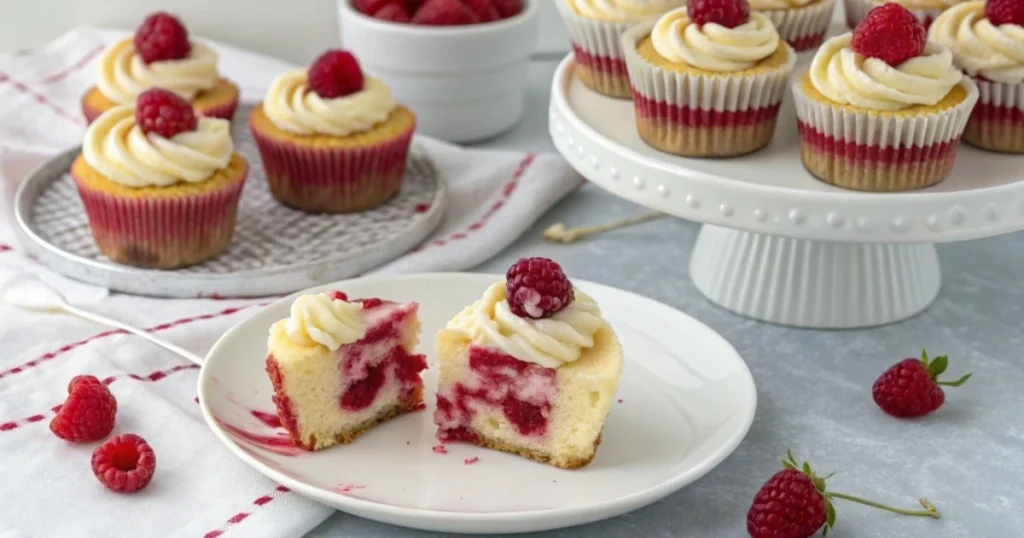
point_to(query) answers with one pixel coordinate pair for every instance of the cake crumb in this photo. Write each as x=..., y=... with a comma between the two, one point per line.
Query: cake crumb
x=347, y=488
x=440, y=449
x=408, y=442
x=620, y=400
x=471, y=461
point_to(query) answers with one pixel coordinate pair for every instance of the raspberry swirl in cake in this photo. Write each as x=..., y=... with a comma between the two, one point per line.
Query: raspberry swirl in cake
x=995, y=52
x=712, y=46
x=292, y=107
x=622, y=10
x=123, y=75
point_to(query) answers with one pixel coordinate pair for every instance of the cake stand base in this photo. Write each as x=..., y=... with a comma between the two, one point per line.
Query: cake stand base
x=814, y=284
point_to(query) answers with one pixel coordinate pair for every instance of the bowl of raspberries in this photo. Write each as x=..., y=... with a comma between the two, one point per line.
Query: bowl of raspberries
x=460, y=65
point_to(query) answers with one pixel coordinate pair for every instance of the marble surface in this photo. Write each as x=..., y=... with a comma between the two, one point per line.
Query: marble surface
x=814, y=387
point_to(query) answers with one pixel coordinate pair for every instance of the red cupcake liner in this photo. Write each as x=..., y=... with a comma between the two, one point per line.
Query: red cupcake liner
x=997, y=121
x=162, y=232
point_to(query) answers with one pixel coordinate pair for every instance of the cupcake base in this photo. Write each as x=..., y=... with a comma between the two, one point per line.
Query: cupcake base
x=696, y=133
x=997, y=122
x=603, y=75
x=219, y=102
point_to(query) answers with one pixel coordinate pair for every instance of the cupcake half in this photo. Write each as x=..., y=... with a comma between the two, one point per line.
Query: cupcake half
x=595, y=28
x=708, y=84
x=160, y=187
x=925, y=11
x=877, y=115
x=332, y=140
x=990, y=49
x=160, y=55
x=802, y=23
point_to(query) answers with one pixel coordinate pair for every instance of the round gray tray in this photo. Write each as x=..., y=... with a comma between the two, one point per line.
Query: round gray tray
x=275, y=249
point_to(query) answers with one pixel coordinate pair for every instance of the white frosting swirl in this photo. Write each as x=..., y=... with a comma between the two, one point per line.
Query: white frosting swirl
x=768, y=5
x=123, y=75
x=711, y=46
x=117, y=148
x=921, y=4
x=623, y=10
x=549, y=342
x=291, y=106
x=318, y=319
x=979, y=47
x=849, y=78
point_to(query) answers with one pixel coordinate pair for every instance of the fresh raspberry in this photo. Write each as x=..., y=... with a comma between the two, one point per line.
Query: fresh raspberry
x=125, y=463
x=412, y=6
x=537, y=288
x=891, y=33
x=728, y=13
x=162, y=37
x=164, y=112
x=371, y=7
x=335, y=73
x=88, y=412
x=509, y=8
x=1005, y=12
x=484, y=9
x=337, y=295
x=911, y=388
x=445, y=13
x=393, y=13
x=793, y=503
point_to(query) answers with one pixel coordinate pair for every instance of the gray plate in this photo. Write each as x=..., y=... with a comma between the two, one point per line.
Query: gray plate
x=275, y=250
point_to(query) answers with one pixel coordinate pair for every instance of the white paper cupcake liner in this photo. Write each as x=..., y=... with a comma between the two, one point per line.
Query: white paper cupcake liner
x=856, y=10
x=804, y=28
x=997, y=121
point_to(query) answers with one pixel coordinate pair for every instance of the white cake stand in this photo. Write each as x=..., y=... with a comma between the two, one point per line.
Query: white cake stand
x=778, y=245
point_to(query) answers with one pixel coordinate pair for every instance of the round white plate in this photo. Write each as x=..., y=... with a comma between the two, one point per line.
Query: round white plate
x=687, y=400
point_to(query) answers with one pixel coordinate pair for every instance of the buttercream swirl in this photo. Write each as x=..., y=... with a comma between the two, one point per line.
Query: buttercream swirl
x=849, y=78
x=549, y=342
x=623, y=10
x=116, y=147
x=921, y=4
x=711, y=46
x=767, y=5
x=319, y=319
x=123, y=75
x=979, y=47
x=291, y=106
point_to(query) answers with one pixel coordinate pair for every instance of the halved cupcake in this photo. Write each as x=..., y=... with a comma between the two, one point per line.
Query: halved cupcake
x=332, y=140
x=802, y=23
x=925, y=11
x=160, y=55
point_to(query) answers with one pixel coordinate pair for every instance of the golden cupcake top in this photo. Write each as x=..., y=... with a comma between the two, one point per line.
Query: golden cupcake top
x=987, y=39
x=322, y=319
x=622, y=10
x=157, y=143
x=161, y=55
x=332, y=97
x=715, y=35
x=885, y=64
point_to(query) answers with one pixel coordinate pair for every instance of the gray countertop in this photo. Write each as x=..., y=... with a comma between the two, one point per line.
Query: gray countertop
x=814, y=387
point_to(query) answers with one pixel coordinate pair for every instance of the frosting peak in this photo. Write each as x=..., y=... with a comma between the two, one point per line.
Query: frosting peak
x=318, y=319
x=292, y=107
x=979, y=47
x=711, y=46
x=623, y=10
x=123, y=75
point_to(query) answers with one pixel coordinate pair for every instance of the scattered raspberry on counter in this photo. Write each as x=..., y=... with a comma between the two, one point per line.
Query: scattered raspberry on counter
x=911, y=388
x=124, y=464
x=88, y=412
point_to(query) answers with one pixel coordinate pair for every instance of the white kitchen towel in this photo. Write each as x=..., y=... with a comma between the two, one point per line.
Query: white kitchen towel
x=200, y=489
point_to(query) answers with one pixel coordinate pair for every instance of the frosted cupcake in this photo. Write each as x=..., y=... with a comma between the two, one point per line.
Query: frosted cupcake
x=925, y=11
x=987, y=41
x=160, y=55
x=708, y=79
x=332, y=140
x=160, y=187
x=802, y=23
x=595, y=27
x=882, y=109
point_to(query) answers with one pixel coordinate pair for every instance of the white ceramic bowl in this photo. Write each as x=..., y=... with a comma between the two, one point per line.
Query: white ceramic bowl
x=464, y=83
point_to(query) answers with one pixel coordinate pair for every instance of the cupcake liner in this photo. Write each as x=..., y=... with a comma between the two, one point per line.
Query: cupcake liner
x=863, y=150
x=804, y=28
x=997, y=121
x=856, y=10
x=695, y=114
x=324, y=179
x=225, y=110
x=162, y=232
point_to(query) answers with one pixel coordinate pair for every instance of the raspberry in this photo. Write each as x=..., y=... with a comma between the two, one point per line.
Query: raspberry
x=412, y=6
x=484, y=9
x=335, y=73
x=337, y=295
x=164, y=112
x=890, y=33
x=1000, y=12
x=509, y=8
x=371, y=7
x=88, y=412
x=162, y=37
x=911, y=388
x=537, y=288
x=445, y=13
x=728, y=13
x=125, y=463
x=393, y=13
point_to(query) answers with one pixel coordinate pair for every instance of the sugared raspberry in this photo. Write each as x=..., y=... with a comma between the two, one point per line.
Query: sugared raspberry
x=537, y=288
x=164, y=112
x=88, y=412
x=1005, y=12
x=509, y=8
x=728, y=13
x=484, y=9
x=911, y=388
x=393, y=13
x=335, y=73
x=162, y=37
x=125, y=463
x=337, y=295
x=891, y=33
x=445, y=13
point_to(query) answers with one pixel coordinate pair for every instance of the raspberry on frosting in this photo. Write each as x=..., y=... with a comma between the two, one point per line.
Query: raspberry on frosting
x=165, y=113
x=162, y=37
x=537, y=288
x=1000, y=12
x=728, y=13
x=891, y=33
x=335, y=73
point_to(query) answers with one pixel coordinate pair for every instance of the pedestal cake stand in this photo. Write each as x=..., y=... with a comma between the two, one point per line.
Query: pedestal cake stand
x=778, y=245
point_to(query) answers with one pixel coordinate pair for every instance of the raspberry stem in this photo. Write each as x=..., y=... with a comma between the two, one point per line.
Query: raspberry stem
x=929, y=511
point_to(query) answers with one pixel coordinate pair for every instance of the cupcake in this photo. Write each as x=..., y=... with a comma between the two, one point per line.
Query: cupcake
x=595, y=27
x=802, y=23
x=708, y=79
x=882, y=109
x=159, y=185
x=925, y=11
x=332, y=140
x=987, y=41
x=160, y=55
